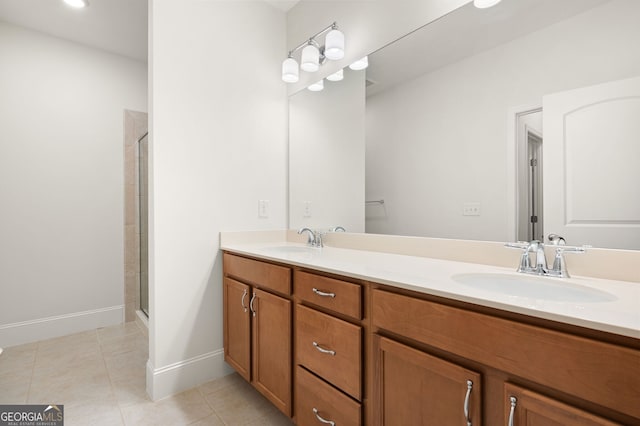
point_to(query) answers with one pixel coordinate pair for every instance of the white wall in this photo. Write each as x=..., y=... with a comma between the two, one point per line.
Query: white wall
x=326, y=155
x=218, y=146
x=448, y=129
x=367, y=26
x=61, y=183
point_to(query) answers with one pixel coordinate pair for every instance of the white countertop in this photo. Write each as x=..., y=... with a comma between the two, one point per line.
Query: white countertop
x=620, y=315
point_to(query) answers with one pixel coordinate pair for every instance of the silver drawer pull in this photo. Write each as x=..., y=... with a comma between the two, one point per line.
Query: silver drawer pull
x=244, y=294
x=323, y=350
x=321, y=420
x=466, y=402
x=513, y=409
x=322, y=293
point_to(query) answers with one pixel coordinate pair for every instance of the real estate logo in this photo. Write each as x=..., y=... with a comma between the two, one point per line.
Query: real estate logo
x=31, y=415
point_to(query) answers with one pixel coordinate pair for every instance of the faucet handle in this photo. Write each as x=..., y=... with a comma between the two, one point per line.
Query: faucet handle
x=559, y=265
x=525, y=263
x=522, y=245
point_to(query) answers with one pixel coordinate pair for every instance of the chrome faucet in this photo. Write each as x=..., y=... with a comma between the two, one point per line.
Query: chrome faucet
x=314, y=238
x=559, y=268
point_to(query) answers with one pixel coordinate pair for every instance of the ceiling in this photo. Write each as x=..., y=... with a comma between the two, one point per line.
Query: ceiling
x=283, y=5
x=117, y=26
x=464, y=32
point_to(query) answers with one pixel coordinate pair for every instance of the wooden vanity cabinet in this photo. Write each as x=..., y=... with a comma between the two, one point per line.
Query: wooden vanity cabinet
x=329, y=335
x=574, y=376
x=258, y=326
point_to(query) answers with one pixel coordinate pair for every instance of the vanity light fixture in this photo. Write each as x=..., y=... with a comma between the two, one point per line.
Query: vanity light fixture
x=336, y=76
x=484, y=4
x=360, y=64
x=78, y=4
x=313, y=55
x=317, y=86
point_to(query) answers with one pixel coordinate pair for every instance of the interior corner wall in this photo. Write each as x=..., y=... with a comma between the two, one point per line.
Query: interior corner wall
x=61, y=183
x=218, y=145
x=367, y=25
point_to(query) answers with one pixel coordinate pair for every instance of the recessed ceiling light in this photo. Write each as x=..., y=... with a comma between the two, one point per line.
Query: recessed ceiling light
x=483, y=4
x=78, y=4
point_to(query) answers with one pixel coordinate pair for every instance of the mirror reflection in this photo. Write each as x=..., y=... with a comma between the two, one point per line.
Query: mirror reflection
x=506, y=123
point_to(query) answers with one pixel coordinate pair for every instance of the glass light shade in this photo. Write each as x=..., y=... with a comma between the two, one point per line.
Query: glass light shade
x=317, y=86
x=310, y=59
x=334, y=45
x=336, y=76
x=360, y=64
x=483, y=4
x=290, y=73
x=78, y=4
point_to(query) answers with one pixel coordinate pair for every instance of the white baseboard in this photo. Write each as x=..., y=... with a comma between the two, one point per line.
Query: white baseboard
x=46, y=328
x=187, y=374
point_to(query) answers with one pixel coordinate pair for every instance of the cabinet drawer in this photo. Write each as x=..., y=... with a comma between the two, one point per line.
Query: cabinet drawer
x=339, y=296
x=260, y=274
x=599, y=372
x=315, y=398
x=331, y=348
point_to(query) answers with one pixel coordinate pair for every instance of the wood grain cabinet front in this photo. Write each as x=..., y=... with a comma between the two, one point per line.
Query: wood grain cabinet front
x=331, y=348
x=317, y=403
x=524, y=407
x=415, y=388
x=258, y=327
x=336, y=295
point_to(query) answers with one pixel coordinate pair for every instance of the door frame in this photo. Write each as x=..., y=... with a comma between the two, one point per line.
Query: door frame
x=513, y=209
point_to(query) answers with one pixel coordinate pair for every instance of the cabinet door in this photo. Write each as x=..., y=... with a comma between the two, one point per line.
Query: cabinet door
x=272, y=348
x=414, y=388
x=527, y=408
x=237, y=323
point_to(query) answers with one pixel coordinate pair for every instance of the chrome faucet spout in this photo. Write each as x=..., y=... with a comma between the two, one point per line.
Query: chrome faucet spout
x=311, y=239
x=537, y=247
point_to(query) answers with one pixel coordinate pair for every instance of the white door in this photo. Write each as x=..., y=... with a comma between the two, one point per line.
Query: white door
x=592, y=164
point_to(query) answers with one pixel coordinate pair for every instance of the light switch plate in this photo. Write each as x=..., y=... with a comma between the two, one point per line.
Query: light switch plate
x=263, y=208
x=306, y=209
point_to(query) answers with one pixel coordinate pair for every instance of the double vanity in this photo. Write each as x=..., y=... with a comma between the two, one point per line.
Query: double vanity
x=341, y=336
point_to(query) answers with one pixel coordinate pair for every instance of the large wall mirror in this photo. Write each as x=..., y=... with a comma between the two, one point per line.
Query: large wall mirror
x=499, y=124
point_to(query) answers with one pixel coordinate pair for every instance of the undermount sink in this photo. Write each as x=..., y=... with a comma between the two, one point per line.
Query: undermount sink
x=533, y=287
x=291, y=249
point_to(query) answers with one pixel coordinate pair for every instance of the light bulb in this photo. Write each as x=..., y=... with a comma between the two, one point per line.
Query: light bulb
x=334, y=45
x=78, y=4
x=483, y=4
x=360, y=64
x=336, y=76
x=310, y=58
x=317, y=86
x=290, y=71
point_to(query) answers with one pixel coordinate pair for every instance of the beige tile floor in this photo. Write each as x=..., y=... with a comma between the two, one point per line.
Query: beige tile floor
x=99, y=376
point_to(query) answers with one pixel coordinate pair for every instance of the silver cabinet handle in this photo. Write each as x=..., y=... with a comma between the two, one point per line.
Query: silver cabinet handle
x=513, y=409
x=251, y=304
x=322, y=293
x=323, y=350
x=244, y=294
x=321, y=420
x=466, y=402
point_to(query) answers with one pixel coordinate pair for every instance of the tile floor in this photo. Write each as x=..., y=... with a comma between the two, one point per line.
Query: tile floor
x=99, y=376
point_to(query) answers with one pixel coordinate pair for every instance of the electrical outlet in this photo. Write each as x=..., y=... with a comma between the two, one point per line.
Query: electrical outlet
x=471, y=209
x=263, y=208
x=306, y=209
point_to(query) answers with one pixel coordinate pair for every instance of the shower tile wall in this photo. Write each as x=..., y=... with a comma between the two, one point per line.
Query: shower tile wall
x=135, y=125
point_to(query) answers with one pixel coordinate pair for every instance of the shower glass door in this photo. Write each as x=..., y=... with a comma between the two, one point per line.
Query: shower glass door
x=143, y=203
